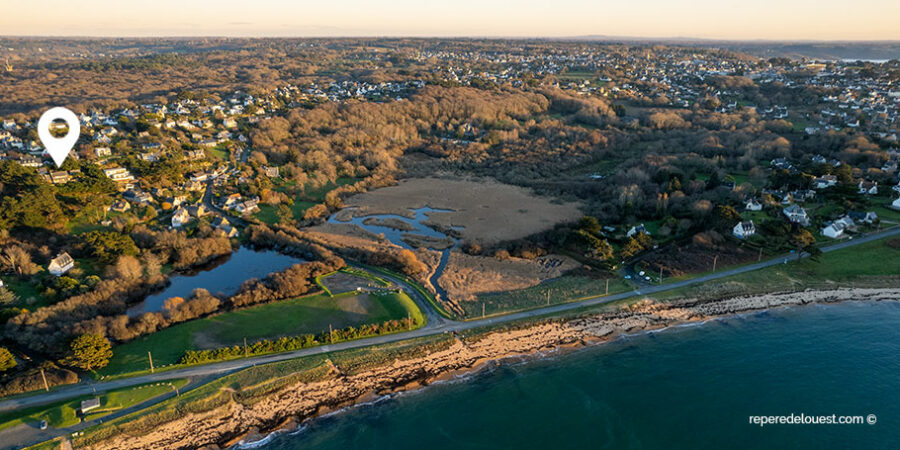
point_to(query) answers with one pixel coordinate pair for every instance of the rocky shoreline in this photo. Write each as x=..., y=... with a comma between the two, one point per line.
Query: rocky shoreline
x=293, y=404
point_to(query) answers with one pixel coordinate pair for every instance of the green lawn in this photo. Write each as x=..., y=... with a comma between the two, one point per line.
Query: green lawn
x=219, y=152
x=565, y=289
x=64, y=414
x=306, y=315
x=873, y=263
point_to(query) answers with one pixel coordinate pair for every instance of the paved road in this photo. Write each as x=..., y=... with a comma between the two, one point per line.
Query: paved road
x=432, y=328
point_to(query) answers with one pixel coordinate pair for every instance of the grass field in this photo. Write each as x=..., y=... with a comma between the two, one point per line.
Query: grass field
x=562, y=290
x=64, y=414
x=872, y=263
x=311, y=314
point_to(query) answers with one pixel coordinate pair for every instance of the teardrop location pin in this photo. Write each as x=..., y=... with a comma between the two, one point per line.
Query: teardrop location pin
x=58, y=148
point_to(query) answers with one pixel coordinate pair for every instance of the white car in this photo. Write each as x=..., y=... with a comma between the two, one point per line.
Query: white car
x=647, y=278
x=641, y=273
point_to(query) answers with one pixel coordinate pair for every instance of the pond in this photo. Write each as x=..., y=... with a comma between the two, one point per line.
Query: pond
x=414, y=226
x=224, y=277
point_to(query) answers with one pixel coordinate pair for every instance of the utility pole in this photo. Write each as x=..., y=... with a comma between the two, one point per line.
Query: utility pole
x=151, y=361
x=246, y=353
x=46, y=386
x=482, y=310
x=408, y=321
x=330, y=334
x=760, y=255
x=548, y=297
x=660, y=275
x=607, y=286
x=715, y=261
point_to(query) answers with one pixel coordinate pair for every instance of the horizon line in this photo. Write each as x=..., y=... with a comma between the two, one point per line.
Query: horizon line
x=464, y=37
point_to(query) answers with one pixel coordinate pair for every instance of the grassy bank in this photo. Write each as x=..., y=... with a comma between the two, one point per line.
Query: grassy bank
x=65, y=414
x=306, y=315
x=565, y=289
x=875, y=263
x=250, y=385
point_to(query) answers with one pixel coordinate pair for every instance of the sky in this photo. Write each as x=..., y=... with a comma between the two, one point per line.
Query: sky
x=709, y=19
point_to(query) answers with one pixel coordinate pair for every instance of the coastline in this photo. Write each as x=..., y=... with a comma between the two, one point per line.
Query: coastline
x=288, y=408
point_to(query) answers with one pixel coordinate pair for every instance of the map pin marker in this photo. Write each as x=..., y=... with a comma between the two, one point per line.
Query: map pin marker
x=59, y=148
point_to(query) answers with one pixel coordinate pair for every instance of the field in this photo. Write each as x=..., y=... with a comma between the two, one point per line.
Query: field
x=468, y=276
x=306, y=315
x=489, y=211
x=872, y=264
x=565, y=289
x=347, y=280
x=64, y=414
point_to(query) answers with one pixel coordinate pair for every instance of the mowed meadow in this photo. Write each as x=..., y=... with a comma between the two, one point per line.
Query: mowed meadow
x=306, y=315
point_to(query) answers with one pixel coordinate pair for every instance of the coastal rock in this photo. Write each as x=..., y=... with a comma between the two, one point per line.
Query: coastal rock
x=303, y=400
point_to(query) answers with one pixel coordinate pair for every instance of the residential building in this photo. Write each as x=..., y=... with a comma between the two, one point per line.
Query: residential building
x=825, y=181
x=865, y=217
x=636, y=229
x=834, y=230
x=744, y=229
x=797, y=215
x=120, y=206
x=118, y=174
x=753, y=205
x=60, y=177
x=61, y=264
x=180, y=217
x=868, y=187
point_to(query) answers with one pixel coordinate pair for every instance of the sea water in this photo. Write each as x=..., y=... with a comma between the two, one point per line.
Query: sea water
x=690, y=387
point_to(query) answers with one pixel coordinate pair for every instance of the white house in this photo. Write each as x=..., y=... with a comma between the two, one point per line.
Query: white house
x=834, y=230
x=118, y=174
x=744, y=229
x=896, y=203
x=868, y=187
x=637, y=229
x=753, y=205
x=61, y=264
x=796, y=214
x=825, y=181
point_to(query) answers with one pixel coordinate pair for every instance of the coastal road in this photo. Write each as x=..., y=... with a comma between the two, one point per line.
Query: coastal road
x=432, y=328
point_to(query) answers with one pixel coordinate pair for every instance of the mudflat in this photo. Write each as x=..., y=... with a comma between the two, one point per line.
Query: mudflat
x=488, y=211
